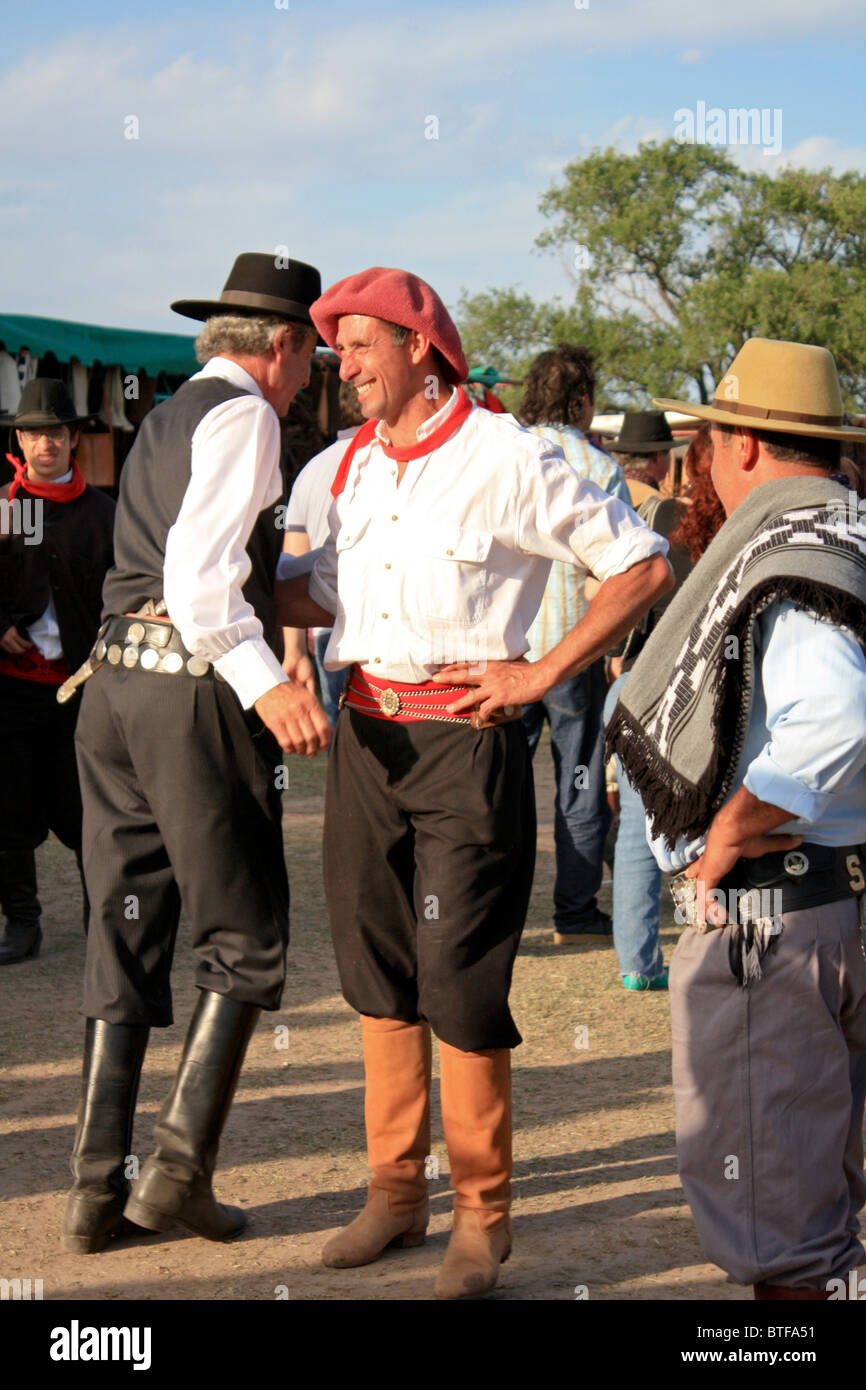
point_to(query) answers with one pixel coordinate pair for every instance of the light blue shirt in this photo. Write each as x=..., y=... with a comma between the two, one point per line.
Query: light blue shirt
x=805, y=747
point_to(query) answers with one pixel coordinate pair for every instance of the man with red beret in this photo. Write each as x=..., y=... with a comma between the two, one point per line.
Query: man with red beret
x=444, y=524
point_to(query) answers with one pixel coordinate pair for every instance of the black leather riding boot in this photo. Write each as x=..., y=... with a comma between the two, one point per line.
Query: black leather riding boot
x=23, y=935
x=175, y=1184
x=113, y=1057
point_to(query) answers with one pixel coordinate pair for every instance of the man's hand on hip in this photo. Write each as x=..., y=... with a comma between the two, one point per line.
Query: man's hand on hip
x=500, y=688
x=739, y=831
x=13, y=643
x=295, y=718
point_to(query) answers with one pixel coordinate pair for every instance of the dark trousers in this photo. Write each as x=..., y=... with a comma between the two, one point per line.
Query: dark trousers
x=429, y=853
x=39, y=789
x=180, y=807
x=581, y=813
x=38, y=777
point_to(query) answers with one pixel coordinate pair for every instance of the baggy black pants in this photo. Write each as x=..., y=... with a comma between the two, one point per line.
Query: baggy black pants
x=180, y=806
x=38, y=777
x=429, y=854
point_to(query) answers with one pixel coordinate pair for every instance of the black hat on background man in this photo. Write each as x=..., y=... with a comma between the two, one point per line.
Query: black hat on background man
x=45, y=404
x=261, y=284
x=643, y=432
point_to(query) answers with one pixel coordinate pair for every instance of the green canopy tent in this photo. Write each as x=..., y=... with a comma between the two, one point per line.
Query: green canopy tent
x=155, y=353
x=158, y=362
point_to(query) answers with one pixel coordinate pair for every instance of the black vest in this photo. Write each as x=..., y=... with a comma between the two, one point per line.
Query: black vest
x=68, y=565
x=154, y=480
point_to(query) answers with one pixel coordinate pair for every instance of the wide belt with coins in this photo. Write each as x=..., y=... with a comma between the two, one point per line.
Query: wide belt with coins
x=790, y=881
x=138, y=641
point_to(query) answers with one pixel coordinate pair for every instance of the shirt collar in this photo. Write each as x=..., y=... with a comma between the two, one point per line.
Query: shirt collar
x=67, y=477
x=427, y=427
x=229, y=371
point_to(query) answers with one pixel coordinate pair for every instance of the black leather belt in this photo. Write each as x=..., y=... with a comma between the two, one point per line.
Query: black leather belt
x=808, y=876
x=142, y=643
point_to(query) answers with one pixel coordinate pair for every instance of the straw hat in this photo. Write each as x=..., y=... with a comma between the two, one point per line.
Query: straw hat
x=789, y=387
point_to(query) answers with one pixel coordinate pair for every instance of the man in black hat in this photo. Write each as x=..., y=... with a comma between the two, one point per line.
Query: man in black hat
x=642, y=448
x=55, y=549
x=179, y=749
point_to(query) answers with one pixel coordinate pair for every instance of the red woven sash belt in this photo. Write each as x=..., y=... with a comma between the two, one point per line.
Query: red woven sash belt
x=408, y=704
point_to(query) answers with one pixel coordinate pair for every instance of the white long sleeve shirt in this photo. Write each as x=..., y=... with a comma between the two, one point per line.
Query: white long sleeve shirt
x=235, y=474
x=451, y=564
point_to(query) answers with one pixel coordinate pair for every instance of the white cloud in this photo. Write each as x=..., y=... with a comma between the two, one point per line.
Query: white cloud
x=691, y=55
x=309, y=132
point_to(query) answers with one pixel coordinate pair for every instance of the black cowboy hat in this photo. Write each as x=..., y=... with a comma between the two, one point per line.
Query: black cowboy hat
x=261, y=284
x=643, y=432
x=45, y=404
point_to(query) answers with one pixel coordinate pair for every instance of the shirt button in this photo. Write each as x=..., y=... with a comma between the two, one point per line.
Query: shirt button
x=376, y=660
x=393, y=472
x=387, y=566
x=384, y=615
x=393, y=518
x=447, y=552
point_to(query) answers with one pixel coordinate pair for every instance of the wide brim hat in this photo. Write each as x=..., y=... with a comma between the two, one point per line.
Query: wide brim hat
x=643, y=432
x=261, y=284
x=397, y=296
x=45, y=404
x=791, y=388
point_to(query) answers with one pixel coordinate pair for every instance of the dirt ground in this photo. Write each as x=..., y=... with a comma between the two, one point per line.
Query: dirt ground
x=598, y=1210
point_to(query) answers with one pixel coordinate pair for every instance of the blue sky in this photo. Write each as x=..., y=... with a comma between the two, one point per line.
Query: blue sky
x=304, y=127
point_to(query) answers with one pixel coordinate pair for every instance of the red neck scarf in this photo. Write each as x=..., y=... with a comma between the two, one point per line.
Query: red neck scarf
x=412, y=451
x=53, y=492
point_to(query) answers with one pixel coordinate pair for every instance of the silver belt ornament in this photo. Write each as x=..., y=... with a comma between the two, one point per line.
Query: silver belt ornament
x=131, y=654
x=391, y=704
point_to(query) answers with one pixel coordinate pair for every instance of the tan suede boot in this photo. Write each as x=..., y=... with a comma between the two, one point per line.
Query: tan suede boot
x=397, y=1063
x=476, y=1117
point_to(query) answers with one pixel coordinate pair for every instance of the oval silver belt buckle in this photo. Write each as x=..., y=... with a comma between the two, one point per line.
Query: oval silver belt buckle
x=389, y=702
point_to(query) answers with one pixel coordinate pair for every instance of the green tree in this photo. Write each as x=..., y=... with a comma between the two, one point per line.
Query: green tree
x=676, y=256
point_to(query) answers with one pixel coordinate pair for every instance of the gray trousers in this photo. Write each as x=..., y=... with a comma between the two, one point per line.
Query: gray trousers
x=769, y=1085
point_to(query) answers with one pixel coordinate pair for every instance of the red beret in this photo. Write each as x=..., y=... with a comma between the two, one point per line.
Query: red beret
x=398, y=297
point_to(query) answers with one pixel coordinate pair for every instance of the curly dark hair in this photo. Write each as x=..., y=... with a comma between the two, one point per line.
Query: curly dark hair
x=705, y=515
x=558, y=384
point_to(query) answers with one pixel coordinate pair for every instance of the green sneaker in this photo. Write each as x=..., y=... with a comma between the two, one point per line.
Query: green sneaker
x=659, y=981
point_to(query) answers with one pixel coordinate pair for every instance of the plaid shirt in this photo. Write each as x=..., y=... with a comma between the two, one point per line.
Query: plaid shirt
x=564, y=604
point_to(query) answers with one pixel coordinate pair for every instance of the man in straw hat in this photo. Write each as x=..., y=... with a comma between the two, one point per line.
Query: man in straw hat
x=178, y=741
x=743, y=726
x=444, y=524
x=55, y=549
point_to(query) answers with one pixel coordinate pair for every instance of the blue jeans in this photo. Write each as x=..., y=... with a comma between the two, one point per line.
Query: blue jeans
x=636, y=878
x=330, y=682
x=581, y=815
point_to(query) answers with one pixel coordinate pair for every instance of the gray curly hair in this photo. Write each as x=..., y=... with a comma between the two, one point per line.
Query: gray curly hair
x=246, y=336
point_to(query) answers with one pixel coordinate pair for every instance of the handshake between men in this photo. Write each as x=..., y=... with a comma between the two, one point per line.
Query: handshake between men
x=291, y=710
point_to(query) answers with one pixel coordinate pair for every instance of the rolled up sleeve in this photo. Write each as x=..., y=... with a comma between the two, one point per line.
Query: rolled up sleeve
x=814, y=683
x=565, y=517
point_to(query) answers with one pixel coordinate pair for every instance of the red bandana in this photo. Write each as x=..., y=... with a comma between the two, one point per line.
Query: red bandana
x=413, y=451
x=52, y=492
